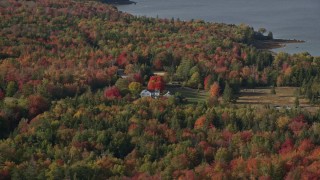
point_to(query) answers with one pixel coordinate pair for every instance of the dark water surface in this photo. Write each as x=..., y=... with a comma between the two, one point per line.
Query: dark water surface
x=287, y=19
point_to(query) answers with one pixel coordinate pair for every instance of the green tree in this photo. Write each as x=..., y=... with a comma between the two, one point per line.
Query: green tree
x=135, y=88
x=270, y=35
x=11, y=89
x=194, y=80
x=184, y=69
x=262, y=30
x=296, y=102
x=228, y=95
x=222, y=155
x=273, y=90
x=122, y=84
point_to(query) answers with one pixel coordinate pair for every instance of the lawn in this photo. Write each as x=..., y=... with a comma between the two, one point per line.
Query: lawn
x=258, y=97
x=192, y=95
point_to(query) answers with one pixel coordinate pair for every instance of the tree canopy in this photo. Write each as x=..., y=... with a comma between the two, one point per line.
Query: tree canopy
x=70, y=72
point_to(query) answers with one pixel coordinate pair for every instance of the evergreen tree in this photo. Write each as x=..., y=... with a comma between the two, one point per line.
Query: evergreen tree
x=194, y=80
x=228, y=95
x=296, y=102
x=11, y=89
x=273, y=90
x=184, y=69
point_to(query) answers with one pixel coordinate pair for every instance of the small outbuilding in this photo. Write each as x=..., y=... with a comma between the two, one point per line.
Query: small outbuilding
x=168, y=94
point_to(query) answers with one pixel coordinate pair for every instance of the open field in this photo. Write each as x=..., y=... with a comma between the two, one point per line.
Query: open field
x=284, y=98
x=192, y=95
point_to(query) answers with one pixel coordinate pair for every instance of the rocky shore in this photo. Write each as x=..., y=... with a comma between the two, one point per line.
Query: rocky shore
x=274, y=43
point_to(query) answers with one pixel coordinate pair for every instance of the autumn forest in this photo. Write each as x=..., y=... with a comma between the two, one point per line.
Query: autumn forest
x=71, y=73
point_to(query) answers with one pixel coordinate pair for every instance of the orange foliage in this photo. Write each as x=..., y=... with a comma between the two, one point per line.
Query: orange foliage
x=246, y=72
x=288, y=71
x=315, y=154
x=200, y=122
x=305, y=145
x=214, y=90
x=252, y=166
x=233, y=74
x=238, y=165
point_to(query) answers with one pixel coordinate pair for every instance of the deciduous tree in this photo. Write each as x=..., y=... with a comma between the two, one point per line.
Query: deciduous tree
x=135, y=88
x=156, y=83
x=214, y=90
x=37, y=104
x=112, y=93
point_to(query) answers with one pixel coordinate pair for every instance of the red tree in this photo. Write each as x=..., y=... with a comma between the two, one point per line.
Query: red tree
x=112, y=93
x=37, y=105
x=137, y=78
x=151, y=84
x=122, y=59
x=158, y=64
x=1, y=94
x=156, y=83
x=286, y=147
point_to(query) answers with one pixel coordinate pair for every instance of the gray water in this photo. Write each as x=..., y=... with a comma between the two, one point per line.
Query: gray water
x=287, y=19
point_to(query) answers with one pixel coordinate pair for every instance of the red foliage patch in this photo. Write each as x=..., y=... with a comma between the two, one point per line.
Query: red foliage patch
x=112, y=93
x=2, y=95
x=156, y=83
x=122, y=59
x=286, y=147
x=37, y=105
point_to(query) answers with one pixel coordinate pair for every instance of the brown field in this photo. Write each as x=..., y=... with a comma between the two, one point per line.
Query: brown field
x=283, y=99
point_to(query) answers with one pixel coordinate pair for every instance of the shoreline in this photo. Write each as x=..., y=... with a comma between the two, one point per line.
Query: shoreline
x=274, y=43
x=119, y=2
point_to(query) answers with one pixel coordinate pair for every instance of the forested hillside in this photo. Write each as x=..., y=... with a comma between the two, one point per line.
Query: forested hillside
x=65, y=112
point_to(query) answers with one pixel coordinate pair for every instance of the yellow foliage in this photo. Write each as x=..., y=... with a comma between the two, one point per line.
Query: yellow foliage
x=79, y=113
x=283, y=121
x=135, y=87
x=102, y=107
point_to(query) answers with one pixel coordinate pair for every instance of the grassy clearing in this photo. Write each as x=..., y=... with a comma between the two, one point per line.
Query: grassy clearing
x=192, y=95
x=284, y=97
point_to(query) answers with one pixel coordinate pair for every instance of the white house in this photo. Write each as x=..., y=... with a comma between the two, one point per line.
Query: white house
x=153, y=94
x=160, y=73
x=156, y=93
x=145, y=93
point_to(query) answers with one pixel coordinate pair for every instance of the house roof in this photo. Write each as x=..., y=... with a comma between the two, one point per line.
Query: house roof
x=145, y=92
x=159, y=73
